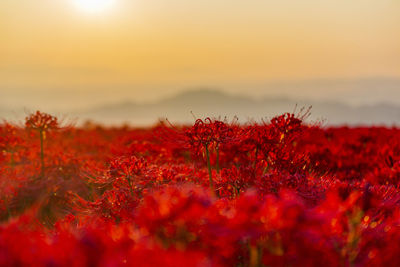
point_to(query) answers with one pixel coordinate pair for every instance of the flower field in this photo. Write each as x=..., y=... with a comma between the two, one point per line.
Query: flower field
x=282, y=192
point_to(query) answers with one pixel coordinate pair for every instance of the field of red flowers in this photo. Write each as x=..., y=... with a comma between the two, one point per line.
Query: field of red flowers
x=276, y=193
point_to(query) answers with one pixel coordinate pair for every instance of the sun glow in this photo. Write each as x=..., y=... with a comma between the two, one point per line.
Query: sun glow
x=94, y=6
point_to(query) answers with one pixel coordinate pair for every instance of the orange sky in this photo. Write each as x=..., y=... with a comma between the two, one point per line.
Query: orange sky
x=156, y=44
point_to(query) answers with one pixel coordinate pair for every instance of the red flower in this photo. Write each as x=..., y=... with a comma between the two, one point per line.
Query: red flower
x=41, y=121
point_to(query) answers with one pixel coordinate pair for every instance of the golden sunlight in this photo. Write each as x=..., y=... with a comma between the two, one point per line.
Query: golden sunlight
x=93, y=6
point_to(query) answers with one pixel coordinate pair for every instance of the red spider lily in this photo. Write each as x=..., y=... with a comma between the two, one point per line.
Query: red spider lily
x=202, y=138
x=42, y=123
x=128, y=169
x=287, y=194
x=10, y=141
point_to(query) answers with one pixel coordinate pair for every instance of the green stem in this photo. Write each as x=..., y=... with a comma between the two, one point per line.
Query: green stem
x=217, y=149
x=236, y=190
x=7, y=207
x=42, y=152
x=130, y=185
x=255, y=256
x=12, y=158
x=209, y=168
x=255, y=158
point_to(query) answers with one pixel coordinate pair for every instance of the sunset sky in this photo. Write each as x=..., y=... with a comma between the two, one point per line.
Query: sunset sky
x=143, y=49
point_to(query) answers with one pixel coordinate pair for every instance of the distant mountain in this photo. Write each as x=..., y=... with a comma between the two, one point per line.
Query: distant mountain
x=212, y=103
x=351, y=91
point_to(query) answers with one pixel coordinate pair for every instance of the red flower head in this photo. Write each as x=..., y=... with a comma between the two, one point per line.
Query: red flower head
x=207, y=133
x=41, y=121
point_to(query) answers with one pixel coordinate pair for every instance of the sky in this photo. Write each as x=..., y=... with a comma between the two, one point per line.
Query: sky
x=56, y=54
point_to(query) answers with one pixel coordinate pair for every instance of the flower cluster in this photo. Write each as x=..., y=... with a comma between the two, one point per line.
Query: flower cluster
x=277, y=193
x=41, y=121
